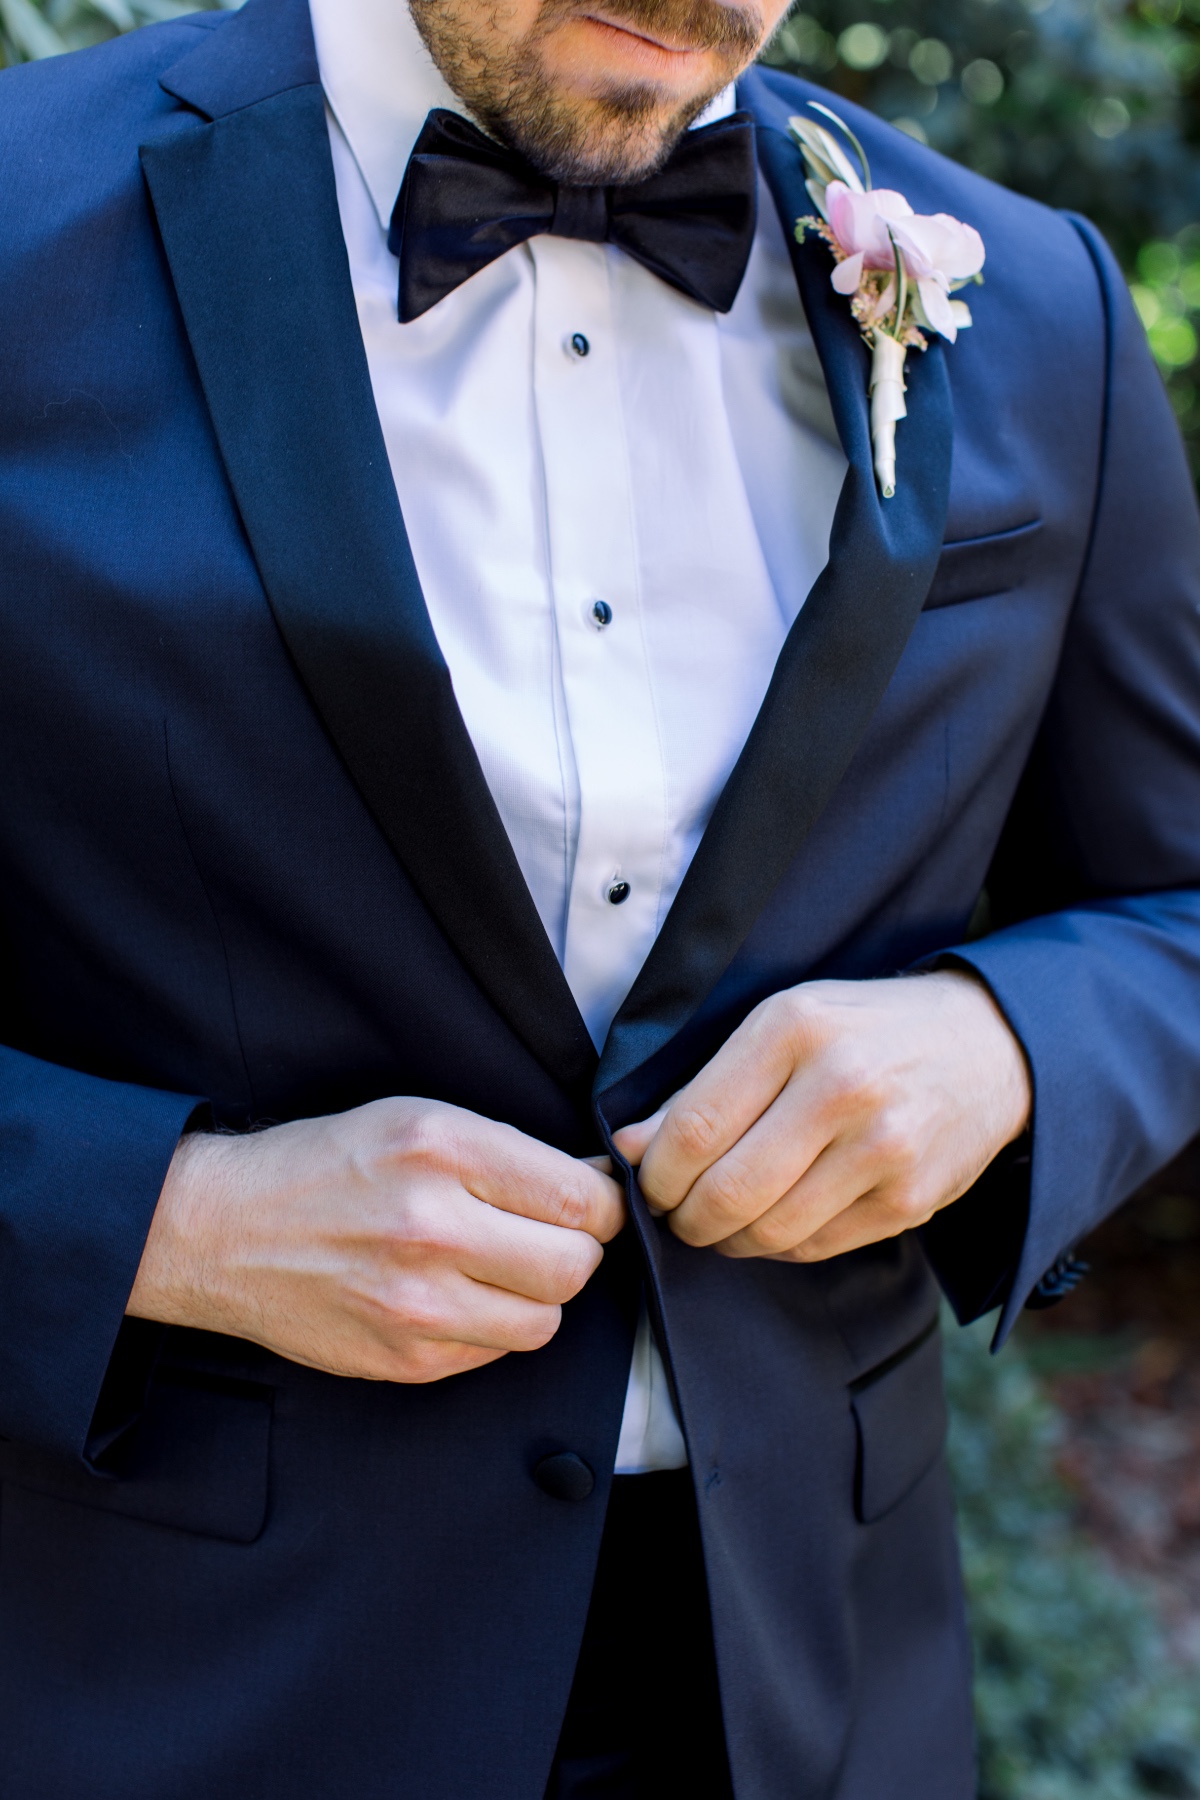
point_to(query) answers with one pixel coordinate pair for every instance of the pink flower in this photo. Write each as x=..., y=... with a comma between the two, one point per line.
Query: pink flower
x=859, y=223
x=939, y=253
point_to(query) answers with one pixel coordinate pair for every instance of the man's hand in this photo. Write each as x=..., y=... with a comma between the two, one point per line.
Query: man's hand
x=403, y=1241
x=839, y=1113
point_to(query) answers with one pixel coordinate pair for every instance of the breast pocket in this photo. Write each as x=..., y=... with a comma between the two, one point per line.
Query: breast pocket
x=198, y=1460
x=973, y=568
x=900, y=1417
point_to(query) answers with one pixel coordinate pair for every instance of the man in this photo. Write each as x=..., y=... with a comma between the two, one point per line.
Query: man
x=443, y=770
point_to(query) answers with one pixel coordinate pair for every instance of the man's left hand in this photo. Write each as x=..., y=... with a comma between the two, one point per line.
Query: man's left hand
x=839, y=1113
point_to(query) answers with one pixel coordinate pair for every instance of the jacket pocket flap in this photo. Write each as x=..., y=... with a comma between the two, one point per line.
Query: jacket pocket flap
x=973, y=568
x=198, y=1460
x=900, y=1416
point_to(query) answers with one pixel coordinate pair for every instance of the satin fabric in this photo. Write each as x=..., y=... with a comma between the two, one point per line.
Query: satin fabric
x=465, y=200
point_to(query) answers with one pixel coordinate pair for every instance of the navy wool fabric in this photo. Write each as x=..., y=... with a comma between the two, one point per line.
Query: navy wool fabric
x=250, y=871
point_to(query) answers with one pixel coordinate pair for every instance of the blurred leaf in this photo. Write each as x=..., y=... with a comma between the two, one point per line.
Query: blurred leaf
x=1076, y=1697
x=31, y=29
x=1087, y=105
x=23, y=26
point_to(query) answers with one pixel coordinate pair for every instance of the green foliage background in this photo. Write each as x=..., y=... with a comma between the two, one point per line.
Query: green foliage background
x=1091, y=105
x=1076, y=1696
x=33, y=28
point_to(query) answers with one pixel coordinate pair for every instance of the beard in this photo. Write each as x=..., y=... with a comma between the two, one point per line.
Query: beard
x=621, y=133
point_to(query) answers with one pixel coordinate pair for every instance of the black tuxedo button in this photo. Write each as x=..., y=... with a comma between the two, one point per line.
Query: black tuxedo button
x=564, y=1476
x=619, y=892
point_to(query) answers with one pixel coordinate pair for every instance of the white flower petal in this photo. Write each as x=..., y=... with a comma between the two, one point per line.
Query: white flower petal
x=891, y=205
x=938, y=309
x=938, y=244
x=847, y=275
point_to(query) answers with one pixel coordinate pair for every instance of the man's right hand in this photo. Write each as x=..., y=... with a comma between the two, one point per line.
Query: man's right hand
x=403, y=1241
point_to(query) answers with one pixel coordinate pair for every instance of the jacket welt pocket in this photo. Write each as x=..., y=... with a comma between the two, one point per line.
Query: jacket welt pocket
x=900, y=1417
x=198, y=1460
x=973, y=568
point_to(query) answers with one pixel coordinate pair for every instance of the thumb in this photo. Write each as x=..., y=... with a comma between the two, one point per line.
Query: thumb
x=633, y=1141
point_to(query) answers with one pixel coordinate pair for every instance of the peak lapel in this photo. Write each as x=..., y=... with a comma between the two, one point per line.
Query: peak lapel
x=835, y=664
x=246, y=205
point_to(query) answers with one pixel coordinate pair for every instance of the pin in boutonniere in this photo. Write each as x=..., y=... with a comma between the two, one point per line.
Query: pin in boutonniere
x=897, y=267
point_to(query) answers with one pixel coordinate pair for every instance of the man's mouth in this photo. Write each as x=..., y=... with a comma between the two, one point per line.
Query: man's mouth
x=665, y=46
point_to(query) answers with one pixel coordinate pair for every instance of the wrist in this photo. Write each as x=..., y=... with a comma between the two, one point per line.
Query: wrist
x=1005, y=1069
x=170, y=1286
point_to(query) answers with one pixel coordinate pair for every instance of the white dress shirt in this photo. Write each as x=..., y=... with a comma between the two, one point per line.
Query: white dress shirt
x=612, y=545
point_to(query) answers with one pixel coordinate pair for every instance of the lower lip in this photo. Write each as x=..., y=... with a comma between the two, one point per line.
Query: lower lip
x=660, y=57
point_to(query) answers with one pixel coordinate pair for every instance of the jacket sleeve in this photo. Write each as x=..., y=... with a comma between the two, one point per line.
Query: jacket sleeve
x=1095, y=888
x=82, y=1163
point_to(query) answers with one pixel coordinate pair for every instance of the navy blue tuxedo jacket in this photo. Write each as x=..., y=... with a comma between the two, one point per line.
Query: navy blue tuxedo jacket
x=250, y=870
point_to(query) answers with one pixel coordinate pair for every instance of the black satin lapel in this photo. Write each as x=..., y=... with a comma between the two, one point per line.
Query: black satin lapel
x=838, y=659
x=248, y=214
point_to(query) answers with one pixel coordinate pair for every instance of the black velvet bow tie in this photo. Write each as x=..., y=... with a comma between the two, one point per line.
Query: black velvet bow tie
x=466, y=200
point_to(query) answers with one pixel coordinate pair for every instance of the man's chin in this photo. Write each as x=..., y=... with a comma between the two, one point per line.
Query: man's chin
x=605, y=159
x=610, y=137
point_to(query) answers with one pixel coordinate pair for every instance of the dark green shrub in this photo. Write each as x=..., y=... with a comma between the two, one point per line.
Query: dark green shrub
x=1085, y=104
x=1076, y=1695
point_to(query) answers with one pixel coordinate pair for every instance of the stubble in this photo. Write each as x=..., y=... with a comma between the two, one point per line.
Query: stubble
x=620, y=133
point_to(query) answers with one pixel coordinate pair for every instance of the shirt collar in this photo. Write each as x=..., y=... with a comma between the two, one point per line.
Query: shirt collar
x=380, y=83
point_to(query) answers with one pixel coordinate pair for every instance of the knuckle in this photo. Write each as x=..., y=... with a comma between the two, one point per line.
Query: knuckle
x=576, y=1264
x=801, y=1015
x=423, y=1140
x=894, y=1146
x=908, y=1206
x=608, y=1221
x=536, y=1331
x=413, y=1317
x=850, y=1084
x=727, y=1194
x=696, y=1129
x=423, y=1361
x=387, y=1117
x=770, y=1236
x=423, y=1230
x=689, y=1229
x=809, y=1251
x=795, y=1008
x=572, y=1207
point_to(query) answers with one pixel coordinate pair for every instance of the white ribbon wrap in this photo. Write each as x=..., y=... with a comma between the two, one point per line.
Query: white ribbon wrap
x=887, y=405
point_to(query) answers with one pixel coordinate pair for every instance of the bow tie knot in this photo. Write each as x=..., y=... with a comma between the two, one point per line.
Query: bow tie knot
x=466, y=200
x=580, y=212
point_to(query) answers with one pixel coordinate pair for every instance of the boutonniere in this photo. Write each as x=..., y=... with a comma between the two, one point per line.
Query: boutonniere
x=897, y=267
